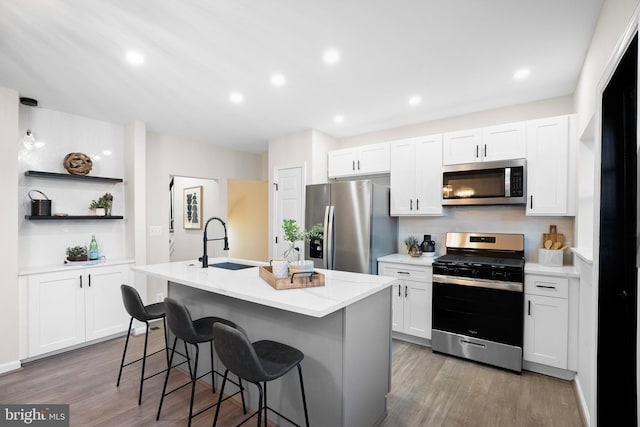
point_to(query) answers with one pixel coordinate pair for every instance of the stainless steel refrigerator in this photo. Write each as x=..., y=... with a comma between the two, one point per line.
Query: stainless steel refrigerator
x=357, y=225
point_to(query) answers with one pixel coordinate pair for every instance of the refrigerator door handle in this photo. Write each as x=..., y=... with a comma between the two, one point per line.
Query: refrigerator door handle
x=327, y=235
x=328, y=243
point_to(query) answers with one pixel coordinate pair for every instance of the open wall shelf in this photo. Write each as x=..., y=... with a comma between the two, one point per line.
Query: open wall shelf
x=72, y=217
x=54, y=175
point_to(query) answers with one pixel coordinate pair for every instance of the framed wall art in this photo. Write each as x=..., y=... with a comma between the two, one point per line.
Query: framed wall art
x=192, y=202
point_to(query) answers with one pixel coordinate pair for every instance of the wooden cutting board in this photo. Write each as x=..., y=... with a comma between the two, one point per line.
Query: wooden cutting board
x=553, y=235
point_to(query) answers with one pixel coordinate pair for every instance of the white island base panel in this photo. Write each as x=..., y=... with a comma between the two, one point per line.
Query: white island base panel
x=347, y=363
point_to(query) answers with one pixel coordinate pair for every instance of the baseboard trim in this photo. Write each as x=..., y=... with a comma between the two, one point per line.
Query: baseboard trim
x=412, y=339
x=582, y=403
x=5, y=368
x=563, y=374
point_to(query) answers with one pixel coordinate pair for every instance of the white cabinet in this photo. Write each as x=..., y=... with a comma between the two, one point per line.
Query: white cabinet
x=66, y=308
x=411, y=299
x=549, y=166
x=416, y=176
x=363, y=160
x=546, y=325
x=502, y=142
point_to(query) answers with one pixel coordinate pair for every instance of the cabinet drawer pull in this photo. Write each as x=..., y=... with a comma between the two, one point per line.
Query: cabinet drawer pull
x=81, y=280
x=403, y=272
x=545, y=287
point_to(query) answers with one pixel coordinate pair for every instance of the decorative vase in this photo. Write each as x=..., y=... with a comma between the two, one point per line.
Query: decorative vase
x=292, y=254
x=415, y=251
x=100, y=212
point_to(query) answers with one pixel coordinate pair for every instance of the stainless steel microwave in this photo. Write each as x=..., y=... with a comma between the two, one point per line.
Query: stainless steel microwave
x=485, y=183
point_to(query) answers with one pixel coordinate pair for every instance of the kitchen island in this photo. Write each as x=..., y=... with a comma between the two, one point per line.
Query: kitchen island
x=343, y=328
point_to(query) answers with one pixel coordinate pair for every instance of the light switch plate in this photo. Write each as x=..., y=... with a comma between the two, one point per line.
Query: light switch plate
x=155, y=230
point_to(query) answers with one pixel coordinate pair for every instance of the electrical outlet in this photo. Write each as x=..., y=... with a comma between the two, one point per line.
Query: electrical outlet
x=159, y=297
x=155, y=230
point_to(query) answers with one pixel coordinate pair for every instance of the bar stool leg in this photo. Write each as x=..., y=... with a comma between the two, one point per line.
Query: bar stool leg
x=166, y=378
x=304, y=399
x=244, y=408
x=193, y=383
x=144, y=360
x=260, y=402
x=224, y=382
x=213, y=372
x=124, y=353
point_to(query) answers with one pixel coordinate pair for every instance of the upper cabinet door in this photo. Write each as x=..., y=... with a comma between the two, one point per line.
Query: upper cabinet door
x=363, y=160
x=428, y=172
x=373, y=159
x=504, y=142
x=342, y=162
x=402, y=177
x=548, y=166
x=462, y=147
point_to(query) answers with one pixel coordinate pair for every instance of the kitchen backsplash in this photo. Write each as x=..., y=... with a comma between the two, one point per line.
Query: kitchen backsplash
x=487, y=219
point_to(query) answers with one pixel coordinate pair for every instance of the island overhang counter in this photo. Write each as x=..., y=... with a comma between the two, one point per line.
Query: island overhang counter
x=343, y=328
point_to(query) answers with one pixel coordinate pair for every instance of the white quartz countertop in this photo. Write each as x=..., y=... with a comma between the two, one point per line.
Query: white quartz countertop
x=564, y=271
x=73, y=266
x=340, y=290
x=424, y=260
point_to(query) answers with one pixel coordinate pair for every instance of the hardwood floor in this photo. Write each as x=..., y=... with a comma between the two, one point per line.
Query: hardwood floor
x=427, y=390
x=430, y=389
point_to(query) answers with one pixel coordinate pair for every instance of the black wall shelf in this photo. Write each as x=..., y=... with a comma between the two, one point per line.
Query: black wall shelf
x=72, y=217
x=54, y=175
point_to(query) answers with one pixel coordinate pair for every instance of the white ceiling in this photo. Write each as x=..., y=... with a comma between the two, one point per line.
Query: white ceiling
x=458, y=55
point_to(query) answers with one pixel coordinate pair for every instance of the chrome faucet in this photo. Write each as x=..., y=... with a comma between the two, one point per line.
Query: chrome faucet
x=205, y=257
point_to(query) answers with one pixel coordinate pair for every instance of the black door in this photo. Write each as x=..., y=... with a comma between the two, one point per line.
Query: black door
x=617, y=283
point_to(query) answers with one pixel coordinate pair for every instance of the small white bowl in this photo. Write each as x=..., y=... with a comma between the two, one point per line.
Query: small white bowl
x=300, y=266
x=428, y=253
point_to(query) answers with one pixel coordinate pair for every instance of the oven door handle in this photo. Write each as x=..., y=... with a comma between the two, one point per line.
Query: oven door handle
x=479, y=283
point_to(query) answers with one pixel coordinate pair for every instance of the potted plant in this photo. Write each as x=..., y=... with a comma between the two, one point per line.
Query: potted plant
x=413, y=246
x=293, y=233
x=77, y=253
x=103, y=205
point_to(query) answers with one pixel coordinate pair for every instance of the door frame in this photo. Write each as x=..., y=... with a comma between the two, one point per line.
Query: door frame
x=618, y=53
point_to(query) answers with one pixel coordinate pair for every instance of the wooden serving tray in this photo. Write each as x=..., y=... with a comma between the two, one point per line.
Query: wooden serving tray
x=295, y=281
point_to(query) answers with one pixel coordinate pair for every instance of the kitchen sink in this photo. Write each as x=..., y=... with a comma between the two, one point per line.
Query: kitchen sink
x=231, y=265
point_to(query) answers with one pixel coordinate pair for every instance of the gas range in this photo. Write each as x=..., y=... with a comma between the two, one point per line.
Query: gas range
x=478, y=298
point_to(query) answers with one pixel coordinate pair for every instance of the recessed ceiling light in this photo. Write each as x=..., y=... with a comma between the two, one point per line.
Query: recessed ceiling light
x=331, y=56
x=415, y=100
x=338, y=118
x=236, y=98
x=135, y=58
x=95, y=157
x=277, y=79
x=522, y=74
x=107, y=152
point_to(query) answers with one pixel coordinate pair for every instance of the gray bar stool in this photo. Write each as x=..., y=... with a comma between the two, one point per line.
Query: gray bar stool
x=256, y=362
x=144, y=313
x=192, y=332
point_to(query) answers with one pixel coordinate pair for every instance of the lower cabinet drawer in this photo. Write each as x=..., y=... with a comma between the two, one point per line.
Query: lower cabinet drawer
x=557, y=287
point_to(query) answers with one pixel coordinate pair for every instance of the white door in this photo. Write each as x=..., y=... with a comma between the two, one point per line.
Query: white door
x=373, y=158
x=397, y=312
x=105, y=312
x=402, y=178
x=428, y=176
x=417, y=304
x=546, y=330
x=461, y=147
x=56, y=311
x=547, y=166
x=504, y=142
x=288, y=203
